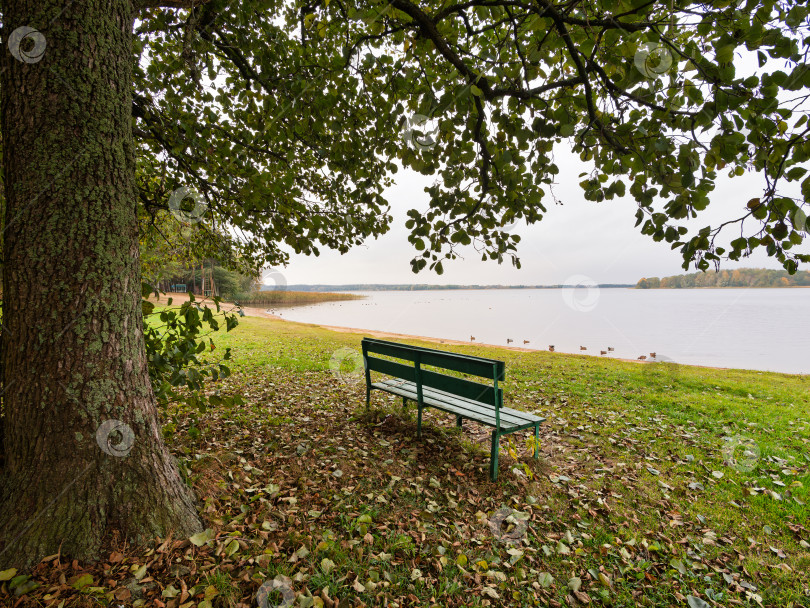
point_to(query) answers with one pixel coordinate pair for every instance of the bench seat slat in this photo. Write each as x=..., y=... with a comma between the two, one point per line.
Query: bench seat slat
x=403, y=390
x=509, y=415
x=466, y=408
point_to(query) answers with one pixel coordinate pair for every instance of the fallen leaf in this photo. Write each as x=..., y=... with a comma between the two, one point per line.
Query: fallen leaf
x=83, y=581
x=545, y=579
x=696, y=602
x=232, y=547
x=170, y=592
x=199, y=539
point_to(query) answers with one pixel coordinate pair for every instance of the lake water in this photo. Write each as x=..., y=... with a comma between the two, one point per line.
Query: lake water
x=763, y=329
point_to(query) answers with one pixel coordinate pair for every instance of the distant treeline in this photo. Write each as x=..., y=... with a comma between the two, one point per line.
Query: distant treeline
x=742, y=277
x=289, y=297
x=407, y=287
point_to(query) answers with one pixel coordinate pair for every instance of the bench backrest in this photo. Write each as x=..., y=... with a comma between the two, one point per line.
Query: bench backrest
x=494, y=370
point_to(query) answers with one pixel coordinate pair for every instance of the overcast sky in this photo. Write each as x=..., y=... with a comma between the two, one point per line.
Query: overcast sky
x=579, y=237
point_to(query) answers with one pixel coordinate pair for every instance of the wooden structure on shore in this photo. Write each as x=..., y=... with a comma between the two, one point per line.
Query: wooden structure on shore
x=202, y=281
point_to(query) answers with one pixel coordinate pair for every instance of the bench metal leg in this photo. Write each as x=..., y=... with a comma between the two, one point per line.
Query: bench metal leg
x=458, y=421
x=368, y=397
x=419, y=422
x=537, y=440
x=493, y=456
x=404, y=401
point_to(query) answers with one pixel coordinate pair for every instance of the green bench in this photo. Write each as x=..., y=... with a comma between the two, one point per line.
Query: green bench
x=463, y=398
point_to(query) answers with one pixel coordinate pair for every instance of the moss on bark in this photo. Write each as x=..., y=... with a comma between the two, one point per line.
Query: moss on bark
x=73, y=350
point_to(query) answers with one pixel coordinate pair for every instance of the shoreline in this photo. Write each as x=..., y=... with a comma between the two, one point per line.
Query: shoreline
x=262, y=313
x=373, y=333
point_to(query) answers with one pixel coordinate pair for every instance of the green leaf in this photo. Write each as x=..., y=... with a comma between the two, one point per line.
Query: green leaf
x=725, y=53
x=476, y=91
x=695, y=602
x=799, y=220
x=83, y=581
x=6, y=575
x=232, y=547
x=170, y=592
x=201, y=538
x=567, y=130
x=25, y=587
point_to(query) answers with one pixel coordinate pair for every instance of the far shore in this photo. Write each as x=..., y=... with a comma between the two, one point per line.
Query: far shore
x=715, y=287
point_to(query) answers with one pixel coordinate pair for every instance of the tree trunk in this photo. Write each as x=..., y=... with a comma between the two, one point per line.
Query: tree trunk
x=84, y=455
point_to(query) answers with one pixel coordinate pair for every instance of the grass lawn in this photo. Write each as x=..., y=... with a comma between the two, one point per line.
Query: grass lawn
x=657, y=485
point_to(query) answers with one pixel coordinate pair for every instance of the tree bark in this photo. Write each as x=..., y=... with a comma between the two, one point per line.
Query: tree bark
x=84, y=454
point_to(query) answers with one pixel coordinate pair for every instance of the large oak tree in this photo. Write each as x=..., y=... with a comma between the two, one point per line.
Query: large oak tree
x=289, y=120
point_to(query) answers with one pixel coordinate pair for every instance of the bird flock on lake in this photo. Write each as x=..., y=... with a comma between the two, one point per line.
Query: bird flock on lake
x=551, y=348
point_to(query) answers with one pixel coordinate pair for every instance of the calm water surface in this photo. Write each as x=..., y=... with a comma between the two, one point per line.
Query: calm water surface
x=764, y=329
